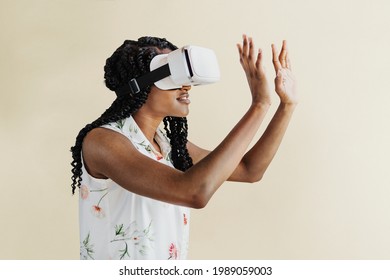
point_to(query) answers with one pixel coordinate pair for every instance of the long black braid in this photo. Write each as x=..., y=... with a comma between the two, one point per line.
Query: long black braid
x=131, y=60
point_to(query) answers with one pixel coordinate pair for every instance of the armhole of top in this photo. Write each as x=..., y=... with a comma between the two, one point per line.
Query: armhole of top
x=84, y=169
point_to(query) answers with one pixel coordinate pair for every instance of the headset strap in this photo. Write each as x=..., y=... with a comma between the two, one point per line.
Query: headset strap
x=135, y=85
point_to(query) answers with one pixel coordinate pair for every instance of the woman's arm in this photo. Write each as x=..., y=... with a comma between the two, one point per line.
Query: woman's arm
x=108, y=154
x=256, y=161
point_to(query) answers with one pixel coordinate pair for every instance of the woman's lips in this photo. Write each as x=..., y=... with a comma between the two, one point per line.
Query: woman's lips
x=184, y=98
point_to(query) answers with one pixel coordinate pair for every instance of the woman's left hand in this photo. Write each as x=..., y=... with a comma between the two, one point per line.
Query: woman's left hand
x=285, y=84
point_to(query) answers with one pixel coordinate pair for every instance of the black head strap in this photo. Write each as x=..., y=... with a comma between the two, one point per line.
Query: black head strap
x=135, y=85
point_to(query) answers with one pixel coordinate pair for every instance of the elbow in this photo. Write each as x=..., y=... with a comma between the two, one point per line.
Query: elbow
x=199, y=201
x=254, y=178
x=252, y=173
x=200, y=197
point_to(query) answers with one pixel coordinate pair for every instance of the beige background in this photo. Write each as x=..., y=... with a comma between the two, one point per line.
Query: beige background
x=326, y=194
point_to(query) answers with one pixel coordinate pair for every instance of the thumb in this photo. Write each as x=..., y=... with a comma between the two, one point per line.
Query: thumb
x=279, y=78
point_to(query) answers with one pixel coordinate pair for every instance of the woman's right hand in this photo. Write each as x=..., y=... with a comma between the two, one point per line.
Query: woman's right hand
x=254, y=71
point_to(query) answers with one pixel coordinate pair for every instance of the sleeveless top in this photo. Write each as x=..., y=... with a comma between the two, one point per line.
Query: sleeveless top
x=118, y=224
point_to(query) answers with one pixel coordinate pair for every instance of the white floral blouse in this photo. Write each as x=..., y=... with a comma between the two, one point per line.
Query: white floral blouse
x=118, y=224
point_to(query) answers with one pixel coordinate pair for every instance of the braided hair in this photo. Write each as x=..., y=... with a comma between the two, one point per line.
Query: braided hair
x=131, y=60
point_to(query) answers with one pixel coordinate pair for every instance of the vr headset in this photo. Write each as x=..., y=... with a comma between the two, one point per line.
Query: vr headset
x=189, y=65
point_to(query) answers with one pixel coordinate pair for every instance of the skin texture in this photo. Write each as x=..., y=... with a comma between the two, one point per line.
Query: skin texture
x=106, y=152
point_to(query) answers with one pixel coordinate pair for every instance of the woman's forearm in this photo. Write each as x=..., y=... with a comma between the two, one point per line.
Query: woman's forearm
x=219, y=164
x=257, y=159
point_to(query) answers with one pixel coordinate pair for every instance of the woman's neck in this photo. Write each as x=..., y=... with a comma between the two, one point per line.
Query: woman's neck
x=148, y=124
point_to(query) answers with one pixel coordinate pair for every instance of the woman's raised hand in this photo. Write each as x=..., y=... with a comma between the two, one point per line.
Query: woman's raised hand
x=285, y=84
x=252, y=64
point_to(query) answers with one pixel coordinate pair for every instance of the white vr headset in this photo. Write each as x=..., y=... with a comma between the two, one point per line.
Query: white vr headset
x=189, y=65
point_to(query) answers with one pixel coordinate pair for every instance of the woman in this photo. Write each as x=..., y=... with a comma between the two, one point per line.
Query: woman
x=137, y=183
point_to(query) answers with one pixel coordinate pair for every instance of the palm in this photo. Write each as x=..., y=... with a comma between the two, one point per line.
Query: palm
x=285, y=84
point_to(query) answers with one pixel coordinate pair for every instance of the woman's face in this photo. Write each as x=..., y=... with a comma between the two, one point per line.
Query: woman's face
x=162, y=103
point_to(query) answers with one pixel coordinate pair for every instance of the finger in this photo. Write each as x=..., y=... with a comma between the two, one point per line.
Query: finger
x=288, y=63
x=283, y=54
x=275, y=59
x=251, y=49
x=243, y=50
x=244, y=45
x=259, y=59
x=239, y=48
x=279, y=80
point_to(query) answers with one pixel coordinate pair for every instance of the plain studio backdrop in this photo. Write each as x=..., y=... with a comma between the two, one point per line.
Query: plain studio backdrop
x=325, y=195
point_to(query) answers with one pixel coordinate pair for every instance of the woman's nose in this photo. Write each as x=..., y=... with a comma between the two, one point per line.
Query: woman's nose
x=186, y=88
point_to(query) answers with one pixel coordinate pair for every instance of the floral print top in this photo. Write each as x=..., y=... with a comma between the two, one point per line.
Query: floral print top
x=118, y=224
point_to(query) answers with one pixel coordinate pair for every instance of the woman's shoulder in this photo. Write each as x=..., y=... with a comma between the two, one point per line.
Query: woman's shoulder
x=102, y=136
x=103, y=149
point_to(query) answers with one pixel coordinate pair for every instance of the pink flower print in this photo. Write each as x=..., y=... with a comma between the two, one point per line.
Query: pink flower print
x=98, y=211
x=173, y=252
x=84, y=192
x=185, y=219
